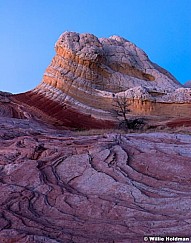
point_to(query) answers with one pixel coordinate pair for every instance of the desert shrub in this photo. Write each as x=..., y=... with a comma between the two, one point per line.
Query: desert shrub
x=133, y=124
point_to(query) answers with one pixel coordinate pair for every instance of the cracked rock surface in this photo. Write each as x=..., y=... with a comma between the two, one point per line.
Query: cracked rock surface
x=56, y=186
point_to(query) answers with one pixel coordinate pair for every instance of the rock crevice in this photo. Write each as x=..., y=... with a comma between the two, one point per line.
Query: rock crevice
x=103, y=188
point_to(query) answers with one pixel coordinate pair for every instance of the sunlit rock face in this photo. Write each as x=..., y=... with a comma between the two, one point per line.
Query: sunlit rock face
x=87, y=73
x=106, y=64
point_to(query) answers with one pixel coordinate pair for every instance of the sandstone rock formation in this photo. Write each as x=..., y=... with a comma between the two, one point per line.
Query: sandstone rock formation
x=59, y=187
x=87, y=73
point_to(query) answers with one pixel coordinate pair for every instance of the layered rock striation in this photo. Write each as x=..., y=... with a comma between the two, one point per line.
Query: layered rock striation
x=59, y=186
x=87, y=73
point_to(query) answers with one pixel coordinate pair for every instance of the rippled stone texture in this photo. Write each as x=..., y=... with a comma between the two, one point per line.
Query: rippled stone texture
x=59, y=187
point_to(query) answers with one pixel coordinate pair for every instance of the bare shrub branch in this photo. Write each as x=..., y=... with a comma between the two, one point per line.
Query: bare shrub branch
x=121, y=106
x=121, y=109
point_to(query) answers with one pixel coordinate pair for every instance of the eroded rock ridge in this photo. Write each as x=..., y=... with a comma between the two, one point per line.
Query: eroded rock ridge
x=79, y=86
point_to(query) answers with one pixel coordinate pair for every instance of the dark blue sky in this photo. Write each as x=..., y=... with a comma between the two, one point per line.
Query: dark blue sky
x=30, y=28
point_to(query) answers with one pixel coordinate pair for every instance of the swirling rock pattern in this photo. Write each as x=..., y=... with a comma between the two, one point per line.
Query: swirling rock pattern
x=57, y=186
x=111, y=188
x=87, y=73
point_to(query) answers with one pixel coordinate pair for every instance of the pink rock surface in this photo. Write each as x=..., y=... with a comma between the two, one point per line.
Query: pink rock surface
x=56, y=186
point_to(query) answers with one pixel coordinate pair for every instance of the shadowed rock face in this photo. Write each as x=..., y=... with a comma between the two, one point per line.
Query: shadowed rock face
x=79, y=86
x=57, y=187
x=188, y=84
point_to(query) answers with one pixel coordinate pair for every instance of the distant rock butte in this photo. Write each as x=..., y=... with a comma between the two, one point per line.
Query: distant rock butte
x=187, y=84
x=79, y=86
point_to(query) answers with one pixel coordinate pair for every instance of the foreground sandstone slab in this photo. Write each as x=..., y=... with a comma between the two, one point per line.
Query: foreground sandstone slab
x=59, y=187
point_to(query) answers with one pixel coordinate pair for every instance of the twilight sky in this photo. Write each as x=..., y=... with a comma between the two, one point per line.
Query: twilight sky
x=30, y=28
